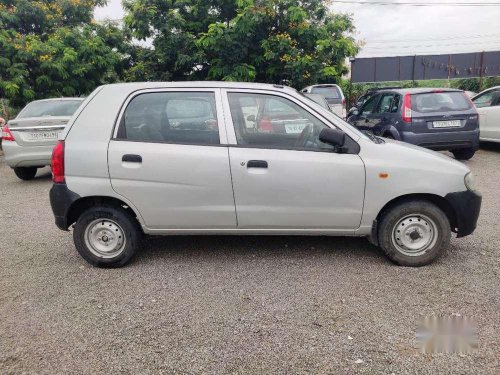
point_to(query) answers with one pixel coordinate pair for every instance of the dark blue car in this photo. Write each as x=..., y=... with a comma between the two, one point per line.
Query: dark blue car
x=438, y=119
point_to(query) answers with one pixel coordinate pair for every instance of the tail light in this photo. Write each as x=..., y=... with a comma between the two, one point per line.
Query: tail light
x=6, y=134
x=57, y=163
x=265, y=125
x=407, y=108
x=343, y=103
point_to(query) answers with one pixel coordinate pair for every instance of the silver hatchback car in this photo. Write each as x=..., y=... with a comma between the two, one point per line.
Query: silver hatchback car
x=28, y=139
x=240, y=158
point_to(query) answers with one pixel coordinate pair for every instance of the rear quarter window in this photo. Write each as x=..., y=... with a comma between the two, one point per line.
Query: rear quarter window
x=440, y=102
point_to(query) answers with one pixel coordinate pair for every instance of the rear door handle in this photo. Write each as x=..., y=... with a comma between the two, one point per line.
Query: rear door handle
x=257, y=164
x=132, y=158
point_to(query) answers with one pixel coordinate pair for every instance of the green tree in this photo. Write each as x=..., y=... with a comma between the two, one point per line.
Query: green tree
x=51, y=48
x=299, y=42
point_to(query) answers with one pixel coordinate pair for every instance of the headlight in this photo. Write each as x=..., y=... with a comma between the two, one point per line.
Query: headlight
x=469, y=181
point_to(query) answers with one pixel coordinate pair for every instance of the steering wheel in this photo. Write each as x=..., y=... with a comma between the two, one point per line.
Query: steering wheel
x=305, y=135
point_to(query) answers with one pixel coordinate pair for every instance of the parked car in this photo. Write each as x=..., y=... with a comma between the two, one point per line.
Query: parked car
x=333, y=95
x=443, y=119
x=28, y=139
x=119, y=173
x=487, y=103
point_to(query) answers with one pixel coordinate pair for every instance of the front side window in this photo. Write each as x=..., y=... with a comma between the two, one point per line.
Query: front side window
x=272, y=121
x=486, y=99
x=369, y=105
x=171, y=117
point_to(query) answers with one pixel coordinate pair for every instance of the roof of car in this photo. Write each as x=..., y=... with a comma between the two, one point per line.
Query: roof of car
x=421, y=90
x=57, y=99
x=202, y=84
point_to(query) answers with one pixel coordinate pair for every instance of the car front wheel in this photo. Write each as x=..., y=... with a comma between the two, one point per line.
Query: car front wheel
x=463, y=153
x=414, y=233
x=25, y=173
x=106, y=236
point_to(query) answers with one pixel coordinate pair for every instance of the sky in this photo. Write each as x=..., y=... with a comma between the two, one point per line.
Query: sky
x=401, y=30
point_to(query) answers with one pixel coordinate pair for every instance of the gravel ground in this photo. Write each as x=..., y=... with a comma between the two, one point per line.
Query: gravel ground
x=237, y=304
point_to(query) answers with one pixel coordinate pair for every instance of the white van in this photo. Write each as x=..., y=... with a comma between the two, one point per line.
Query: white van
x=240, y=158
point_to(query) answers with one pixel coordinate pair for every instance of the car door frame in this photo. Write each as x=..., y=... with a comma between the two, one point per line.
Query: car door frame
x=233, y=142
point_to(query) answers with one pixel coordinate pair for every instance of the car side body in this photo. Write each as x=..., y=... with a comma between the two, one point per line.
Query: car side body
x=438, y=119
x=487, y=103
x=244, y=181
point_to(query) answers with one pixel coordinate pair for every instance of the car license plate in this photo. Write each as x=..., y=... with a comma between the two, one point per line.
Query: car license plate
x=36, y=136
x=294, y=128
x=447, y=124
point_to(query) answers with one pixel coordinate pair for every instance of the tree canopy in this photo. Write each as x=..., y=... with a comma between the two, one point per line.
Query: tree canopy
x=301, y=42
x=52, y=48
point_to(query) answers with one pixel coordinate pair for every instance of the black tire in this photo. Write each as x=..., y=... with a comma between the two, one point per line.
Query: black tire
x=127, y=225
x=463, y=153
x=25, y=173
x=392, y=219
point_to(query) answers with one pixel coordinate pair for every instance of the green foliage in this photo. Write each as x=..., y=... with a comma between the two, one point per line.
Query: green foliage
x=50, y=49
x=301, y=42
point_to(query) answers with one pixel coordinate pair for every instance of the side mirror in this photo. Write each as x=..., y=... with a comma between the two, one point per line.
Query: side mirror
x=354, y=111
x=251, y=118
x=333, y=137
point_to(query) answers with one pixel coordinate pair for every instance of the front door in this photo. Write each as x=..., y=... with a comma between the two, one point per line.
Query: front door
x=168, y=161
x=283, y=176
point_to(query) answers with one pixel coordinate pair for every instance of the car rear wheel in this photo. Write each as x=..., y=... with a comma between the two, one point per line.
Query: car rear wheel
x=414, y=233
x=106, y=236
x=25, y=173
x=463, y=153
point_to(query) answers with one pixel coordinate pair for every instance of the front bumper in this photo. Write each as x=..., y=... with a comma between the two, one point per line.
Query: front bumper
x=61, y=199
x=26, y=156
x=467, y=205
x=449, y=140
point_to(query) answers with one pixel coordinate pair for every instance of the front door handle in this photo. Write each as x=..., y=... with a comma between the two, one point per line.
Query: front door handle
x=132, y=158
x=257, y=164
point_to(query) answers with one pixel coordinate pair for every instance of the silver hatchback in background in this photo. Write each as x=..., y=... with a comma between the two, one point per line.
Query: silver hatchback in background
x=333, y=95
x=28, y=139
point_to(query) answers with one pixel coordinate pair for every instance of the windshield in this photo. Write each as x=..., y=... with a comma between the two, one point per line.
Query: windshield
x=333, y=117
x=440, y=102
x=50, y=108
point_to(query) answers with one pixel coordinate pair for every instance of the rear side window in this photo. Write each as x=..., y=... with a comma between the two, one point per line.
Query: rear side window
x=171, y=117
x=385, y=103
x=50, y=108
x=440, y=102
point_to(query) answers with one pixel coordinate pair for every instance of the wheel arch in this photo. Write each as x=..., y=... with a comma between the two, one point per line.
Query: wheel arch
x=84, y=203
x=438, y=200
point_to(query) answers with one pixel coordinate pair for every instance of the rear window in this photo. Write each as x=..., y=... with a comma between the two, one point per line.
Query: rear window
x=50, y=108
x=440, y=102
x=329, y=92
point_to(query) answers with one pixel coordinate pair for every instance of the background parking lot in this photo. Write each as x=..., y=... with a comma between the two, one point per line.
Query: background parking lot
x=238, y=304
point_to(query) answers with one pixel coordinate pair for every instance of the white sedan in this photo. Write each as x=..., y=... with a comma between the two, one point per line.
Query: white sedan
x=488, y=106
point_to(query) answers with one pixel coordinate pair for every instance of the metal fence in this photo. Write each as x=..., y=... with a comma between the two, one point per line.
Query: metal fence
x=413, y=68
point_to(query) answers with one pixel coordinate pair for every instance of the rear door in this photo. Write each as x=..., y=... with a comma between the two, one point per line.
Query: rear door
x=442, y=111
x=289, y=179
x=169, y=158
x=380, y=119
x=488, y=107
